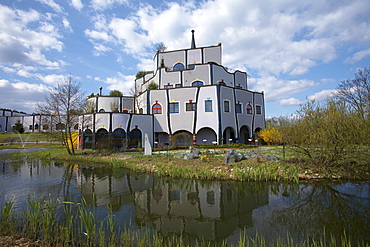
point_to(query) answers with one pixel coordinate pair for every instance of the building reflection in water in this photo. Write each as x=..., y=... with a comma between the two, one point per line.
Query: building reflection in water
x=203, y=210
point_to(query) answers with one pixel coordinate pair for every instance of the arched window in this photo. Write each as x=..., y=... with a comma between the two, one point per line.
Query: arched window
x=197, y=84
x=101, y=110
x=249, y=109
x=178, y=66
x=157, y=108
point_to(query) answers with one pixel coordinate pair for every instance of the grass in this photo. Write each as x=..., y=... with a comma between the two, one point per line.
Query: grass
x=42, y=224
x=292, y=167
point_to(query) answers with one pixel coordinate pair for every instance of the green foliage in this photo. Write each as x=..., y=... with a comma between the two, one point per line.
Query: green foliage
x=152, y=85
x=141, y=74
x=182, y=139
x=327, y=133
x=115, y=93
x=18, y=127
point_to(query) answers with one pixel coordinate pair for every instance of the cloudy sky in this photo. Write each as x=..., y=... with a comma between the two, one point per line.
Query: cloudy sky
x=292, y=50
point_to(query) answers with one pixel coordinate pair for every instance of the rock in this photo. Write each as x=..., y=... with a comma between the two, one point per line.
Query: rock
x=194, y=150
x=181, y=156
x=232, y=156
x=194, y=154
x=239, y=157
x=252, y=154
x=270, y=157
x=191, y=156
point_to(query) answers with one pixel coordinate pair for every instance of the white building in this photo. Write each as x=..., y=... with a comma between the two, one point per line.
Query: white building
x=189, y=93
x=198, y=96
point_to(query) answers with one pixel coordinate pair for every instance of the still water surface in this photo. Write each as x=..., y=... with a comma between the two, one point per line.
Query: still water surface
x=215, y=211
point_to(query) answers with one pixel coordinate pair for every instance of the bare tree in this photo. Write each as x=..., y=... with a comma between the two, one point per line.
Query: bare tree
x=64, y=103
x=356, y=92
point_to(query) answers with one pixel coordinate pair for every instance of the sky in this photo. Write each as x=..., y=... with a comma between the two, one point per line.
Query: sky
x=292, y=50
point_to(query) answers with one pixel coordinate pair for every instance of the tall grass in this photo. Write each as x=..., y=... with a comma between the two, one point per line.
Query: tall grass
x=53, y=223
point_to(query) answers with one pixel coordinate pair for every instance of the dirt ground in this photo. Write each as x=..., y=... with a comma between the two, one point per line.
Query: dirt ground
x=14, y=241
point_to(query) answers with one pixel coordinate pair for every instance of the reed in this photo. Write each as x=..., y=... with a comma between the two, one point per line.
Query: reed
x=78, y=227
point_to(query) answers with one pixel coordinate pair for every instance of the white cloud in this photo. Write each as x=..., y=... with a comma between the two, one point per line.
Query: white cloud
x=27, y=95
x=77, y=4
x=25, y=45
x=120, y=82
x=52, y=79
x=285, y=37
x=322, y=95
x=52, y=4
x=358, y=56
x=327, y=80
x=277, y=89
x=104, y=4
x=290, y=102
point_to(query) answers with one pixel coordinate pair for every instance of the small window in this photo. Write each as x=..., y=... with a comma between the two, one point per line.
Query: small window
x=178, y=67
x=36, y=126
x=101, y=110
x=226, y=106
x=157, y=109
x=174, y=107
x=190, y=106
x=258, y=109
x=249, y=109
x=31, y=127
x=191, y=66
x=208, y=105
x=238, y=108
x=197, y=84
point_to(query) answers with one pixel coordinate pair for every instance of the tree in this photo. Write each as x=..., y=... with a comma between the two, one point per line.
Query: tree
x=271, y=135
x=115, y=93
x=18, y=127
x=328, y=133
x=64, y=104
x=356, y=92
x=152, y=85
x=161, y=47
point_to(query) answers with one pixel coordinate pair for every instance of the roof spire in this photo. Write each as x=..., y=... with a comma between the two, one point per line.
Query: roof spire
x=192, y=40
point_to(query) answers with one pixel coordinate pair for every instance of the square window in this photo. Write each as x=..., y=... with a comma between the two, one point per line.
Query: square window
x=190, y=106
x=174, y=107
x=226, y=106
x=208, y=105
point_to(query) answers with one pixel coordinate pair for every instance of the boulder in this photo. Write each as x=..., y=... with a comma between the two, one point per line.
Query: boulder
x=271, y=157
x=232, y=156
x=194, y=150
x=252, y=154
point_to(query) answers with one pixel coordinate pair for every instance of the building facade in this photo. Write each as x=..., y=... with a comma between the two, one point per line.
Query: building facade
x=198, y=96
x=189, y=98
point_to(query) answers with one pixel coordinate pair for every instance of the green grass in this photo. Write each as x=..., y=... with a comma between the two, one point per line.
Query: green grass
x=77, y=226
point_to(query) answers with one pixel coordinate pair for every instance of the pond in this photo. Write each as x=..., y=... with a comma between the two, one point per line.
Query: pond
x=216, y=211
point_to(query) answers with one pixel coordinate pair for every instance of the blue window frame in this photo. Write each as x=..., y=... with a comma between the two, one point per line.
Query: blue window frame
x=197, y=84
x=238, y=108
x=258, y=109
x=174, y=107
x=178, y=66
x=208, y=105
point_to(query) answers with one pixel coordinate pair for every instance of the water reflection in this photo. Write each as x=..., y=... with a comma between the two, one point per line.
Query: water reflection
x=214, y=211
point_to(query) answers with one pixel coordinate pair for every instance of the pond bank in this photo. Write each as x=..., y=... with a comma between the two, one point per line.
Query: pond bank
x=210, y=165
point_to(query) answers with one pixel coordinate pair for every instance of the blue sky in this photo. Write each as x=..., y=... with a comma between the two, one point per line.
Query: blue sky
x=292, y=50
